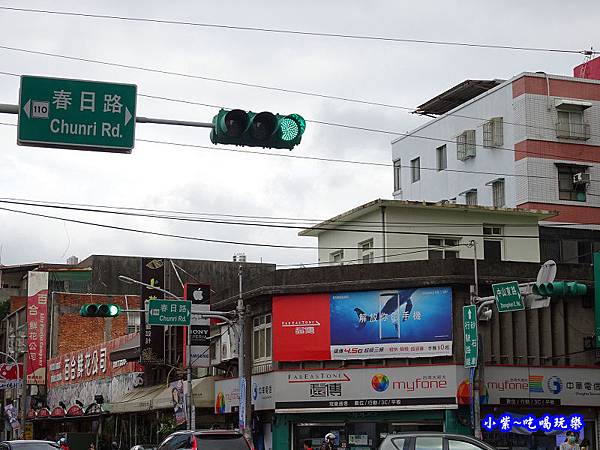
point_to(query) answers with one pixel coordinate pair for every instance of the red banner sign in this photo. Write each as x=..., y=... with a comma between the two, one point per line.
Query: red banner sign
x=37, y=326
x=302, y=327
x=90, y=363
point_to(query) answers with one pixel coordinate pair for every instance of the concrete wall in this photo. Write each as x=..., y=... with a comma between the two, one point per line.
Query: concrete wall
x=434, y=185
x=407, y=231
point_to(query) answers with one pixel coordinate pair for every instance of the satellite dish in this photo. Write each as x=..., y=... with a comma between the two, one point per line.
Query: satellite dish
x=547, y=272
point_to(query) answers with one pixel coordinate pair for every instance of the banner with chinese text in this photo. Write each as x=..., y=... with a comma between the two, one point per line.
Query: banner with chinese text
x=37, y=326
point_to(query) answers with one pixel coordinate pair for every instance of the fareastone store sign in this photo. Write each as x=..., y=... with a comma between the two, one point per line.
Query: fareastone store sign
x=378, y=389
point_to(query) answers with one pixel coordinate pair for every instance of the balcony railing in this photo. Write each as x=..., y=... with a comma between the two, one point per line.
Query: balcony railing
x=571, y=130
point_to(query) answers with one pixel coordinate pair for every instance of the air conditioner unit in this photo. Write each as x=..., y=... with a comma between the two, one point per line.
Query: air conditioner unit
x=581, y=178
x=228, y=345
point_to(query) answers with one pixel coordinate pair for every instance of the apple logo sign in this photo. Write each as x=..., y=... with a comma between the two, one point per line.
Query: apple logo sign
x=198, y=295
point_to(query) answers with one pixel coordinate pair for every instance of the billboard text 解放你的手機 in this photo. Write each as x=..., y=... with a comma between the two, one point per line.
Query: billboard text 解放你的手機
x=364, y=324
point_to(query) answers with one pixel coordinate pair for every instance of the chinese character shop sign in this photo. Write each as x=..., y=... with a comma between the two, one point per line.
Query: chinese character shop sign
x=37, y=326
x=506, y=423
x=83, y=115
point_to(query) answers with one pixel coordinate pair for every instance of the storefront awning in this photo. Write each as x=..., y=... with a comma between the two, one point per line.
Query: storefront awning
x=139, y=399
x=203, y=392
x=130, y=351
x=160, y=397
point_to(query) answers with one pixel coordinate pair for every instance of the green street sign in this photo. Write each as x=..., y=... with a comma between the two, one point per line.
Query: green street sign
x=508, y=296
x=169, y=312
x=75, y=114
x=470, y=335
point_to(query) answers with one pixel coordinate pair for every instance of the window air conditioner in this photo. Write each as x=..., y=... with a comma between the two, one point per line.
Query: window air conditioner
x=581, y=178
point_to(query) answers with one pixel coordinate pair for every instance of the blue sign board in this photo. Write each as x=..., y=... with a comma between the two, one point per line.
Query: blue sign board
x=506, y=423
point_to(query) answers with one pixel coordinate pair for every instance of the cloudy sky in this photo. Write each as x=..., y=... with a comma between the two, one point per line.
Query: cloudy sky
x=221, y=183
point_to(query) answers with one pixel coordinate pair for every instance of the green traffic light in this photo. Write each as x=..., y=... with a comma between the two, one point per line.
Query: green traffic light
x=263, y=129
x=560, y=289
x=100, y=310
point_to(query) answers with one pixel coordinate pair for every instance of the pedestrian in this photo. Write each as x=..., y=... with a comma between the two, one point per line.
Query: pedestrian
x=329, y=443
x=307, y=445
x=570, y=442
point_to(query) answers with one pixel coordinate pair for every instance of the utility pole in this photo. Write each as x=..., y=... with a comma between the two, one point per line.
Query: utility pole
x=477, y=378
x=245, y=404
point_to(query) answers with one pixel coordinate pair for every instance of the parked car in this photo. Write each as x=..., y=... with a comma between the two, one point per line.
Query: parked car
x=205, y=440
x=432, y=441
x=29, y=445
x=143, y=447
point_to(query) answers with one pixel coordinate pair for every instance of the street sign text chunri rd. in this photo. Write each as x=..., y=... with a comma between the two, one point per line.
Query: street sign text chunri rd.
x=169, y=312
x=83, y=115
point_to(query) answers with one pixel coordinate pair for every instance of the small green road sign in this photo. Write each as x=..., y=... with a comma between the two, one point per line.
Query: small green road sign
x=508, y=296
x=75, y=114
x=169, y=312
x=470, y=335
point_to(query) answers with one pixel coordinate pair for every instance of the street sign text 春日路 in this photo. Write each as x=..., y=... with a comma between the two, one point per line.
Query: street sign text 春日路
x=76, y=114
x=508, y=296
x=169, y=312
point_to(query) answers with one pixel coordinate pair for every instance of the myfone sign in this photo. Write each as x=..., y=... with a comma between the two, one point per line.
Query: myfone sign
x=75, y=114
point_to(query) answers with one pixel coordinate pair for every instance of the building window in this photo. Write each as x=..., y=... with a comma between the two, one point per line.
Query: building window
x=492, y=250
x=336, y=257
x=442, y=158
x=493, y=133
x=471, y=197
x=570, y=125
x=498, y=199
x=572, y=182
x=366, y=253
x=133, y=323
x=261, y=338
x=465, y=145
x=397, y=179
x=415, y=169
x=443, y=247
x=492, y=230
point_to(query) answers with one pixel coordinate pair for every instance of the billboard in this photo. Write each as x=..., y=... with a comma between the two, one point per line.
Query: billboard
x=199, y=295
x=37, y=326
x=540, y=386
x=382, y=388
x=152, y=338
x=401, y=323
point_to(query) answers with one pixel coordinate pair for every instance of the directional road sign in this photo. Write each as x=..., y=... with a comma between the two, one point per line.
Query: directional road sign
x=169, y=312
x=82, y=115
x=508, y=296
x=470, y=335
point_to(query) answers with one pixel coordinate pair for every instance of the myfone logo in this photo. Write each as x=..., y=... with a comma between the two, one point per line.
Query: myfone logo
x=554, y=384
x=380, y=382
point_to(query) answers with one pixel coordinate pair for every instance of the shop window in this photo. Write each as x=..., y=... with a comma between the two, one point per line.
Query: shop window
x=428, y=443
x=261, y=339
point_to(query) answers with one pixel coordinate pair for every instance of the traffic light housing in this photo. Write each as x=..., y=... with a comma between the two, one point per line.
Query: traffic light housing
x=100, y=310
x=263, y=129
x=560, y=289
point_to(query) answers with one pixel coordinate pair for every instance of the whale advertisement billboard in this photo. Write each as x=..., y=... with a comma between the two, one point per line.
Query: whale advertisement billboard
x=395, y=323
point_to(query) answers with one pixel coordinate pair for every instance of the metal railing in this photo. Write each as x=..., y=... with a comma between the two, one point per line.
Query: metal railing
x=572, y=130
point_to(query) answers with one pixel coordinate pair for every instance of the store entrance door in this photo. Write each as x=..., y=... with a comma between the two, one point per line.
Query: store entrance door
x=314, y=434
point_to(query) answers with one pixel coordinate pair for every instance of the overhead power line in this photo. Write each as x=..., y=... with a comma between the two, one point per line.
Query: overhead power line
x=407, y=233
x=332, y=160
x=305, y=222
x=299, y=32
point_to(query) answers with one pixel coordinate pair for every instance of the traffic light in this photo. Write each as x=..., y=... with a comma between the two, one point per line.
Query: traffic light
x=560, y=289
x=100, y=310
x=262, y=129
